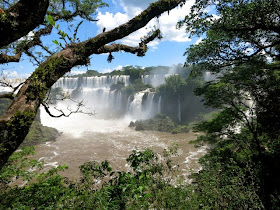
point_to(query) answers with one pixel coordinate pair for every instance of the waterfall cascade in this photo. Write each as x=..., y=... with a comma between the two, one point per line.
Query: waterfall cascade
x=96, y=94
x=179, y=109
x=98, y=98
x=159, y=104
x=91, y=82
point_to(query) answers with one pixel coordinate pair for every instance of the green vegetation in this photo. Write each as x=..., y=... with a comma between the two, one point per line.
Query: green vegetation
x=174, y=86
x=181, y=129
x=135, y=72
x=39, y=134
x=135, y=87
x=118, y=86
x=160, y=122
x=179, y=91
x=89, y=73
x=244, y=135
x=153, y=182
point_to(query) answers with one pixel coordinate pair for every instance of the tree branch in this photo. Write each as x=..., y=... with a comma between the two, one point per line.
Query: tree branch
x=7, y=95
x=25, y=46
x=9, y=58
x=140, y=51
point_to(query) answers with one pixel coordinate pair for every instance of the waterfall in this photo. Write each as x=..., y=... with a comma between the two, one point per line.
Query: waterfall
x=179, y=109
x=150, y=104
x=135, y=107
x=159, y=104
x=128, y=103
x=154, y=80
x=96, y=95
x=142, y=107
x=119, y=100
x=12, y=82
x=91, y=82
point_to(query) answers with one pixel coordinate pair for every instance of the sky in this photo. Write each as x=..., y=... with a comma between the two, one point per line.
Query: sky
x=167, y=51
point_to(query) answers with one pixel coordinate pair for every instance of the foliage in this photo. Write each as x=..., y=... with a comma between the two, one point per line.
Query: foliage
x=137, y=86
x=173, y=86
x=180, y=129
x=100, y=187
x=151, y=183
x=135, y=73
x=241, y=46
x=17, y=167
x=225, y=184
x=236, y=31
x=117, y=86
x=160, y=122
x=89, y=73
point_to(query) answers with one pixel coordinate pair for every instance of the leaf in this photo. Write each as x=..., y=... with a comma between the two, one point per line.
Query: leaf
x=50, y=20
x=56, y=42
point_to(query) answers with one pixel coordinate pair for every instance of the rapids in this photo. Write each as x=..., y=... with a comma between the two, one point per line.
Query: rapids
x=86, y=138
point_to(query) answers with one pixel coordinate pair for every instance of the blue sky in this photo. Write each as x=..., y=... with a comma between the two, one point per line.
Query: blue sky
x=167, y=51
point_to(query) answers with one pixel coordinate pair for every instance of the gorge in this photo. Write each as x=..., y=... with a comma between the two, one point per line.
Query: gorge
x=100, y=129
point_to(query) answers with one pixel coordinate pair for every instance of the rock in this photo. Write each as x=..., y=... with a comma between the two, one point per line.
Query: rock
x=132, y=124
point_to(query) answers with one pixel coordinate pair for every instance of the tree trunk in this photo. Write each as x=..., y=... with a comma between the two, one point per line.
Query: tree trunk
x=20, y=19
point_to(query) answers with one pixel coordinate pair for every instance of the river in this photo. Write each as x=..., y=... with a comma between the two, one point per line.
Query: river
x=86, y=138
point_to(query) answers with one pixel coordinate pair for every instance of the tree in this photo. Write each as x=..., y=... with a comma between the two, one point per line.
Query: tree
x=241, y=46
x=16, y=121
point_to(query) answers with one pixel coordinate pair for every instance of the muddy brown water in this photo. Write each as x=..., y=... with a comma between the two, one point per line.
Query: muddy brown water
x=85, y=138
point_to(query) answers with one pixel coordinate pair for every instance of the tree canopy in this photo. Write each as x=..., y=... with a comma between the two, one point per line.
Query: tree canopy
x=236, y=31
x=240, y=46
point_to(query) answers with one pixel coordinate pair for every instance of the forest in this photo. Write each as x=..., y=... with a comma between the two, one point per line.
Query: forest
x=239, y=47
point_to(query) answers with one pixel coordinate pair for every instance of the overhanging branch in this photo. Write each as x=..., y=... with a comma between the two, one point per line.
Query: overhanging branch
x=140, y=51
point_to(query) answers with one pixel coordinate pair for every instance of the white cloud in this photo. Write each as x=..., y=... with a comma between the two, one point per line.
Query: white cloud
x=108, y=70
x=110, y=21
x=28, y=37
x=166, y=23
x=198, y=41
x=10, y=74
x=76, y=72
x=119, y=67
x=14, y=74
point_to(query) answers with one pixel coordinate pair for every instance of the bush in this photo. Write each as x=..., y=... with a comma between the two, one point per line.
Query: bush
x=181, y=129
x=39, y=134
x=160, y=122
